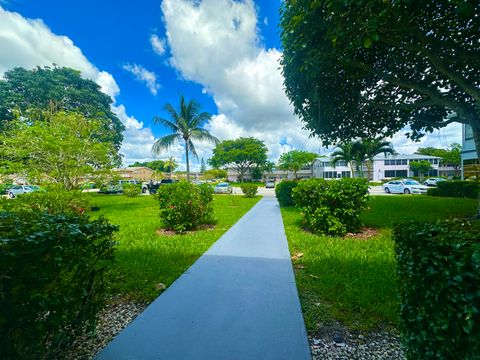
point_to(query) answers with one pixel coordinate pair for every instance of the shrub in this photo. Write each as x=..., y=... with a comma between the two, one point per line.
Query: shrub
x=283, y=192
x=51, y=279
x=132, y=190
x=184, y=206
x=331, y=207
x=249, y=190
x=54, y=200
x=438, y=271
x=468, y=189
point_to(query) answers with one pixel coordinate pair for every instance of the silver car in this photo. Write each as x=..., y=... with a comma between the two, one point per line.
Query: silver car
x=223, y=188
x=21, y=189
x=433, y=181
x=270, y=184
x=405, y=186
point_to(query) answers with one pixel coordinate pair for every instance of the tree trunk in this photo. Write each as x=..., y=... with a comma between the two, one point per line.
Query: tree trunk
x=349, y=164
x=187, y=160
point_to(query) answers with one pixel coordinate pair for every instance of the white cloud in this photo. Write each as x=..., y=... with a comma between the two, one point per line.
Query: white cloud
x=143, y=75
x=216, y=43
x=158, y=45
x=29, y=43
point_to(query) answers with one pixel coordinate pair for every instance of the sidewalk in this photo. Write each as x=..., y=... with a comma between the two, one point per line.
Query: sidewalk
x=238, y=301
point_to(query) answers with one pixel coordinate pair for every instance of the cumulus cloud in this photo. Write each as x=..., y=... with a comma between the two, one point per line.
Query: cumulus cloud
x=216, y=43
x=158, y=45
x=143, y=75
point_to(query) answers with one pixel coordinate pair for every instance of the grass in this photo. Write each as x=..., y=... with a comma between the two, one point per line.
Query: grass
x=352, y=280
x=146, y=262
x=238, y=184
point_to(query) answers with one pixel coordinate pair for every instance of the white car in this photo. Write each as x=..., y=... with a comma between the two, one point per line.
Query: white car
x=270, y=184
x=404, y=187
x=433, y=181
x=21, y=189
x=223, y=188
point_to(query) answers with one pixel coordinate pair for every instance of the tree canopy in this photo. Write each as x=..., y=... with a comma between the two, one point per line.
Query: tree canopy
x=60, y=149
x=29, y=92
x=157, y=165
x=295, y=160
x=358, y=68
x=242, y=154
x=450, y=156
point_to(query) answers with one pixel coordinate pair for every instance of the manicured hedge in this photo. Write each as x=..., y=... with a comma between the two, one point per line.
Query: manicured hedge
x=468, y=189
x=249, y=190
x=283, y=192
x=438, y=270
x=132, y=190
x=331, y=207
x=184, y=206
x=51, y=279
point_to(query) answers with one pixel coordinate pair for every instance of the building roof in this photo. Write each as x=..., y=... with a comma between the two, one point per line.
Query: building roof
x=133, y=168
x=405, y=156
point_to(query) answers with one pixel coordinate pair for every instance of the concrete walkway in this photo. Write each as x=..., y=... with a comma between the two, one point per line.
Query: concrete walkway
x=238, y=301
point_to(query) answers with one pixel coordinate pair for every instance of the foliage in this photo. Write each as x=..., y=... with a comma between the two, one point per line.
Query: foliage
x=468, y=189
x=242, y=154
x=295, y=160
x=58, y=89
x=331, y=207
x=249, y=190
x=344, y=151
x=52, y=200
x=283, y=192
x=450, y=156
x=64, y=148
x=51, y=271
x=185, y=125
x=132, y=190
x=145, y=257
x=215, y=174
x=157, y=165
x=4, y=187
x=422, y=167
x=367, y=67
x=438, y=267
x=203, y=166
x=184, y=206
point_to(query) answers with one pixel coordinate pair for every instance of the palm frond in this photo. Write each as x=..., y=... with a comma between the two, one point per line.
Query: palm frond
x=200, y=119
x=192, y=149
x=166, y=123
x=164, y=143
x=203, y=135
x=172, y=112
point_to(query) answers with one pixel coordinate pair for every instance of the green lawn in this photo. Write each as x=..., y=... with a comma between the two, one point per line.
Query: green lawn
x=353, y=280
x=238, y=184
x=144, y=260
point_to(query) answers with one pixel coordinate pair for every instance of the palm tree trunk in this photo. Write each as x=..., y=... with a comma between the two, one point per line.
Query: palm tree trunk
x=186, y=158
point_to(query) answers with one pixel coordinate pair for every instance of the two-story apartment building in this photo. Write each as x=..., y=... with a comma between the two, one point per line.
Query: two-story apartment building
x=470, y=161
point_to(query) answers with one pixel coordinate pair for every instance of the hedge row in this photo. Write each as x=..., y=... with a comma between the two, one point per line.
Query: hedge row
x=51, y=279
x=463, y=189
x=249, y=190
x=283, y=192
x=438, y=270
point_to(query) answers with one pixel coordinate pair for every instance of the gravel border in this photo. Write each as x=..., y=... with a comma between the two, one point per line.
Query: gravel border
x=112, y=319
x=338, y=343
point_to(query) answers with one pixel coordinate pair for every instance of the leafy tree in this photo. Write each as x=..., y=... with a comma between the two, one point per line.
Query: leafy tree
x=157, y=165
x=62, y=149
x=295, y=160
x=203, y=167
x=186, y=125
x=450, y=156
x=242, y=154
x=30, y=92
x=170, y=164
x=367, y=149
x=421, y=167
x=344, y=152
x=215, y=174
x=366, y=67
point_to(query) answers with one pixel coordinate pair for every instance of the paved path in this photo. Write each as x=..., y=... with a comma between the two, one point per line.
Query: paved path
x=238, y=301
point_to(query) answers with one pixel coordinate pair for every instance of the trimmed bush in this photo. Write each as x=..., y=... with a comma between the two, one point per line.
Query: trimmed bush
x=249, y=190
x=132, y=190
x=184, y=206
x=438, y=271
x=283, y=192
x=51, y=280
x=53, y=200
x=331, y=207
x=463, y=189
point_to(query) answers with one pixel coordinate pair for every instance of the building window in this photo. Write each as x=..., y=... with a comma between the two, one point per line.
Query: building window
x=396, y=173
x=468, y=132
x=346, y=174
x=329, y=174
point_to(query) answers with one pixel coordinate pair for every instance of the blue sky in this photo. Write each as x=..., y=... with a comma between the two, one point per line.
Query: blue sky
x=224, y=53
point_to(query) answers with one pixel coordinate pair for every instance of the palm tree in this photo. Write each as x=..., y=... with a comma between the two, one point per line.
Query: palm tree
x=373, y=147
x=185, y=125
x=344, y=152
x=171, y=164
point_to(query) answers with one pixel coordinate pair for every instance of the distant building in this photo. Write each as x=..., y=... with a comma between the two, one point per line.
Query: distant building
x=470, y=162
x=140, y=173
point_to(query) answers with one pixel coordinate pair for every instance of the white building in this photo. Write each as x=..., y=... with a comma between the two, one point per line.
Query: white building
x=470, y=161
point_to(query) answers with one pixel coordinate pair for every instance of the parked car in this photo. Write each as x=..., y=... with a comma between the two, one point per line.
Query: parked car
x=433, y=181
x=21, y=189
x=198, y=182
x=270, y=184
x=405, y=186
x=223, y=188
